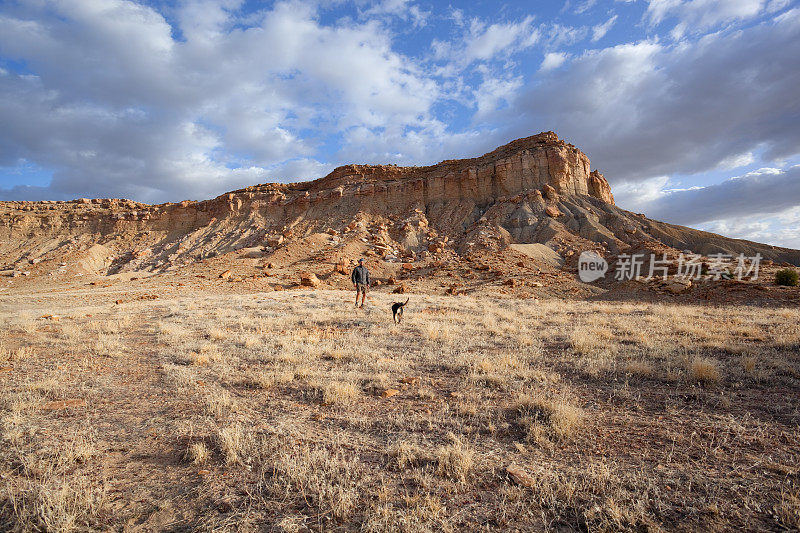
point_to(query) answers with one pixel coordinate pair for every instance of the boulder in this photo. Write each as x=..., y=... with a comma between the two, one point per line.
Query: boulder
x=309, y=279
x=340, y=267
x=549, y=192
x=552, y=211
x=275, y=240
x=520, y=477
x=252, y=253
x=677, y=285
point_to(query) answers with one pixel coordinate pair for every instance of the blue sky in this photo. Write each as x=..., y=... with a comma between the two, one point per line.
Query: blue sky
x=689, y=107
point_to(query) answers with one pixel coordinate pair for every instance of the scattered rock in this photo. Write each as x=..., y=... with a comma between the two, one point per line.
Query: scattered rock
x=455, y=290
x=309, y=279
x=549, y=192
x=552, y=211
x=520, y=477
x=226, y=274
x=252, y=253
x=410, y=380
x=340, y=268
x=678, y=285
x=275, y=240
x=388, y=393
x=401, y=289
x=63, y=404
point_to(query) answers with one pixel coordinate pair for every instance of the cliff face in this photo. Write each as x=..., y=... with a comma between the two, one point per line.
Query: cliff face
x=536, y=189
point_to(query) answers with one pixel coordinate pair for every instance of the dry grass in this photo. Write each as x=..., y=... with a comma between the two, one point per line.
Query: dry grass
x=198, y=453
x=705, y=370
x=554, y=418
x=272, y=412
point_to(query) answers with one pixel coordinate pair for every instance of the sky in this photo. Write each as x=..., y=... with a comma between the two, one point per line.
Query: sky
x=691, y=108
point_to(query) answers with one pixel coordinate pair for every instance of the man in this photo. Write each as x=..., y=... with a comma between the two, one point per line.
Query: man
x=360, y=280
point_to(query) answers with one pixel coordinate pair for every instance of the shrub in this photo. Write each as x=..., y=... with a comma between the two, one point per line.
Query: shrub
x=787, y=276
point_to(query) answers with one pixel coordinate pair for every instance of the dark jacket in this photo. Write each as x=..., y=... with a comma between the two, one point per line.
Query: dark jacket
x=360, y=275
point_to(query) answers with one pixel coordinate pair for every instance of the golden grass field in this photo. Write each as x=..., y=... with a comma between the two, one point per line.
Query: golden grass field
x=292, y=411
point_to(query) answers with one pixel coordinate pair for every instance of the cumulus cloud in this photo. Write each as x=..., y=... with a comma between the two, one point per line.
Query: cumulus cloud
x=553, y=60
x=117, y=105
x=651, y=109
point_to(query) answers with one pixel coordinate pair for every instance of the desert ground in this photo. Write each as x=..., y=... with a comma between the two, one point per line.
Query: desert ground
x=293, y=411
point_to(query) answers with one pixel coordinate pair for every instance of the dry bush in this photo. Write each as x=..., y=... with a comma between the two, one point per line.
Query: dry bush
x=640, y=367
x=108, y=344
x=787, y=510
x=455, y=460
x=340, y=393
x=56, y=503
x=592, y=498
x=268, y=379
x=545, y=417
x=219, y=402
x=418, y=513
x=584, y=340
x=233, y=443
x=327, y=481
x=52, y=495
x=408, y=454
x=20, y=354
x=197, y=453
x=217, y=334
x=749, y=364
x=705, y=370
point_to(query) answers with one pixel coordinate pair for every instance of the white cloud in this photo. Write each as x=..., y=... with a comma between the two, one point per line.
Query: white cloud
x=651, y=109
x=155, y=118
x=637, y=195
x=599, y=31
x=779, y=229
x=487, y=41
x=492, y=92
x=747, y=198
x=403, y=9
x=553, y=60
x=737, y=160
x=698, y=15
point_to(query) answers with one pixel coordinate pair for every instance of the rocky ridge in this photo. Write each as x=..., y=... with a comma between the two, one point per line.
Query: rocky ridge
x=539, y=189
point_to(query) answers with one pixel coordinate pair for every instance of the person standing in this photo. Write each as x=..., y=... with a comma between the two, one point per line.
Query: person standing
x=360, y=278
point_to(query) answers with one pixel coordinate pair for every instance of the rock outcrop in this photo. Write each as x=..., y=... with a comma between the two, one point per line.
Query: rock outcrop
x=534, y=190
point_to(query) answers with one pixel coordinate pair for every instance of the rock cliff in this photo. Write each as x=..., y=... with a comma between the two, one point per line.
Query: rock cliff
x=539, y=189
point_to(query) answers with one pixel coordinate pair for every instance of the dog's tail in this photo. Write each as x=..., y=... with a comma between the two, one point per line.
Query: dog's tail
x=407, y=299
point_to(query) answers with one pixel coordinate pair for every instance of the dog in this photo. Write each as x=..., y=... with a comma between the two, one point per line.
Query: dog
x=397, y=311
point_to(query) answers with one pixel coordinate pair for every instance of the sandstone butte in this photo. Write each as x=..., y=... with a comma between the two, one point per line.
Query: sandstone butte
x=538, y=189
